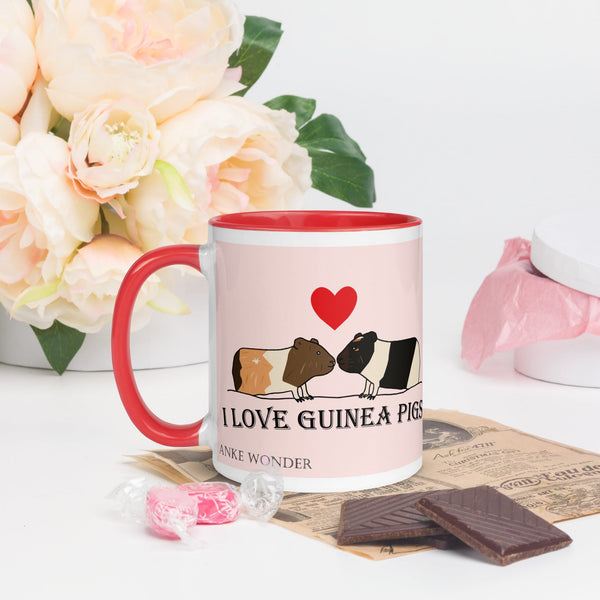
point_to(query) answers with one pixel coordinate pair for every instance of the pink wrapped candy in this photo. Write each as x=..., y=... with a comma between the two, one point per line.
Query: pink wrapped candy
x=216, y=502
x=170, y=511
x=175, y=511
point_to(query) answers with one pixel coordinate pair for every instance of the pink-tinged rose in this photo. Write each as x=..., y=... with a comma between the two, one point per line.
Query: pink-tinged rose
x=18, y=62
x=234, y=156
x=91, y=281
x=165, y=54
x=112, y=144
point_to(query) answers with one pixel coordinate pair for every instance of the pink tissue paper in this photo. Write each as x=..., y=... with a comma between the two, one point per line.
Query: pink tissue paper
x=517, y=305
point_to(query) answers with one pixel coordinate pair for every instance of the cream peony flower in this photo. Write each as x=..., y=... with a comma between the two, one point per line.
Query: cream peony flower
x=91, y=281
x=112, y=145
x=165, y=54
x=233, y=156
x=39, y=115
x=18, y=62
x=53, y=207
x=22, y=247
x=42, y=223
x=9, y=130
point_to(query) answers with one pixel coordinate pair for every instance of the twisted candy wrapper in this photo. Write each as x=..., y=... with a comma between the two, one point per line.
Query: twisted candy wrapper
x=174, y=511
x=171, y=512
x=517, y=305
x=216, y=503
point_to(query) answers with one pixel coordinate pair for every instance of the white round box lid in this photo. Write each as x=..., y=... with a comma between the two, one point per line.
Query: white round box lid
x=566, y=248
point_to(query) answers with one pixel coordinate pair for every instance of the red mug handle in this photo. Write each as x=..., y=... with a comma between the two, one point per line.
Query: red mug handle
x=143, y=418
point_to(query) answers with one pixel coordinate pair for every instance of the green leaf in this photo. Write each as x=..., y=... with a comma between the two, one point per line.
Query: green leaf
x=304, y=108
x=176, y=186
x=326, y=132
x=62, y=129
x=104, y=225
x=345, y=177
x=261, y=37
x=60, y=344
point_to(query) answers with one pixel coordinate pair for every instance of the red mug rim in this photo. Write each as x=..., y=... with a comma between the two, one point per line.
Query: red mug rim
x=314, y=220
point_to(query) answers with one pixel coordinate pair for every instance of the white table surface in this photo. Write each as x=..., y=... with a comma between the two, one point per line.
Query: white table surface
x=63, y=442
x=482, y=118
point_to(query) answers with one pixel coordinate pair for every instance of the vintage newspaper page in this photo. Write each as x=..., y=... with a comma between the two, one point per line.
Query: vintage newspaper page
x=555, y=481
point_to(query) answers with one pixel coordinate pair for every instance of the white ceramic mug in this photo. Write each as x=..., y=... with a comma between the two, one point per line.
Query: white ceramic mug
x=315, y=346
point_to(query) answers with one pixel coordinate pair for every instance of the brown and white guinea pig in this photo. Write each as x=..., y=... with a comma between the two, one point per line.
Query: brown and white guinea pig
x=258, y=371
x=393, y=365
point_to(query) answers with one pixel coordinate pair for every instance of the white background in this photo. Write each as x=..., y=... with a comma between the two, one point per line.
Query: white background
x=480, y=117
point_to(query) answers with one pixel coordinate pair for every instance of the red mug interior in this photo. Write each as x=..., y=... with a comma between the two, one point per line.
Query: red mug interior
x=314, y=220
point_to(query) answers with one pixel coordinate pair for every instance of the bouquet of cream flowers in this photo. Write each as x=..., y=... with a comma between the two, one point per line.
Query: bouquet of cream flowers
x=124, y=126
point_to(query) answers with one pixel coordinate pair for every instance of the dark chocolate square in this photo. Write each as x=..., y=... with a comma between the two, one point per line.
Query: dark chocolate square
x=384, y=518
x=492, y=523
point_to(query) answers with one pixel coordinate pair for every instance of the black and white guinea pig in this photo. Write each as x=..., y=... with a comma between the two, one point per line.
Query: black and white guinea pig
x=392, y=365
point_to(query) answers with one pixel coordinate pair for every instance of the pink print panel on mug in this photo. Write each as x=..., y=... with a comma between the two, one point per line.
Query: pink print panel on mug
x=292, y=325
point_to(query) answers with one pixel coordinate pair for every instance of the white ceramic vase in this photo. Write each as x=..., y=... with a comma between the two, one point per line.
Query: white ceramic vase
x=166, y=341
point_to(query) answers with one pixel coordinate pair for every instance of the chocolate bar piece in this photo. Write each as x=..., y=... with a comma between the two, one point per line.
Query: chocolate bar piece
x=441, y=542
x=384, y=518
x=492, y=523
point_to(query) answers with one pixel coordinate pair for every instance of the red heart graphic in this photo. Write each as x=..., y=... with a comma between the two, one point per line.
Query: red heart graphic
x=331, y=308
